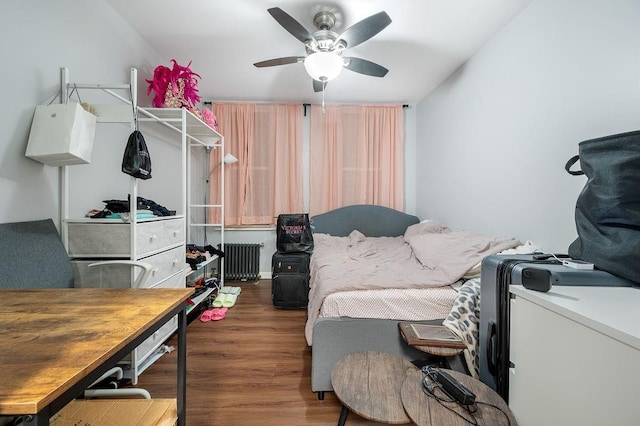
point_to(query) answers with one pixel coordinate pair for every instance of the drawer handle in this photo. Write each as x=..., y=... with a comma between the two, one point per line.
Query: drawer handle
x=153, y=237
x=174, y=262
x=176, y=232
x=155, y=271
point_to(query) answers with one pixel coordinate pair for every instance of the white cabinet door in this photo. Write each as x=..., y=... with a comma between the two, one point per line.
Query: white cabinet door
x=566, y=373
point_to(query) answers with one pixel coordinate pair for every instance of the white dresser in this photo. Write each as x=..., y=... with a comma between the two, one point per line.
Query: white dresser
x=159, y=242
x=575, y=354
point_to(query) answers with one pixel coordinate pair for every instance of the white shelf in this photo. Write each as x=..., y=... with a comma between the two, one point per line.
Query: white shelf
x=199, y=299
x=105, y=220
x=202, y=264
x=196, y=129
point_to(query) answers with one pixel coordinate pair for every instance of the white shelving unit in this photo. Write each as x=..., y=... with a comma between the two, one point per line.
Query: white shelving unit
x=159, y=241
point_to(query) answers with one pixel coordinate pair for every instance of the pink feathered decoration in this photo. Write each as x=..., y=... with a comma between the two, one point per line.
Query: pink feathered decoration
x=175, y=87
x=210, y=119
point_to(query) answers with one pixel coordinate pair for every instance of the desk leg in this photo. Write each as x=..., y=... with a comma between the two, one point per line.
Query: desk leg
x=182, y=367
x=343, y=416
x=40, y=419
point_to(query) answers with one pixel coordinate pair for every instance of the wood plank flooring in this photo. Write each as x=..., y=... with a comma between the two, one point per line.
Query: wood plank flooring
x=251, y=368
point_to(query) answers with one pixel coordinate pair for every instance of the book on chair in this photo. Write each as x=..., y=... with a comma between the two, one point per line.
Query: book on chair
x=418, y=334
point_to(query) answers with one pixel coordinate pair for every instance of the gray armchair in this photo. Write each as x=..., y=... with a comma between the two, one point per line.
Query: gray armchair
x=33, y=256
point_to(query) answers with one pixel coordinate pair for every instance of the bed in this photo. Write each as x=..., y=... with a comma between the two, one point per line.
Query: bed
x=372, y=267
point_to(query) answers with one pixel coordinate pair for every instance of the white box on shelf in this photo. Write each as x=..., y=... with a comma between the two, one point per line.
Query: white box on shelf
x=61, y=135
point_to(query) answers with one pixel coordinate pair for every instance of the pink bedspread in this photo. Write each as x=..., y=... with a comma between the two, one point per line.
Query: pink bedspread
x=428, y=255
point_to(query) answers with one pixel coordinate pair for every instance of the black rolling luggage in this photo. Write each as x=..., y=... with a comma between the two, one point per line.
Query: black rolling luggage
x=290, y=262
x=290, y=280
x=290, y=291
x=536, y=272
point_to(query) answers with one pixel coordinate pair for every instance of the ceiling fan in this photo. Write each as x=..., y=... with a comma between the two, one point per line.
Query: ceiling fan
x=324, y=47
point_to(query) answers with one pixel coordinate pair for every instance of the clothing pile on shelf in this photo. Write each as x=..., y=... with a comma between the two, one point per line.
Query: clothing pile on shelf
x=119, y=209
x=198, y=254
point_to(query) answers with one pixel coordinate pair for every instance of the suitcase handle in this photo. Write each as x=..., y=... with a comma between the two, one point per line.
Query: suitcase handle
x=491, y=348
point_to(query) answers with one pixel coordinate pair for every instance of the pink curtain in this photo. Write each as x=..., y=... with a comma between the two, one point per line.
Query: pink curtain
x=267, y=179
x=356, y=157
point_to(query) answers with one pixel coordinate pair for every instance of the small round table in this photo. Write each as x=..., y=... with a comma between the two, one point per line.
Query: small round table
x=425, y=410
x=368, y=383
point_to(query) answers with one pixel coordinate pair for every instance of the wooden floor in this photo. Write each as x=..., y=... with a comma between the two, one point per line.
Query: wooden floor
x=251, y=368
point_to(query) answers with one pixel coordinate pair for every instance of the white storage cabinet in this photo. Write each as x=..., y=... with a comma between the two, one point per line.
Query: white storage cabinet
x=575, y=354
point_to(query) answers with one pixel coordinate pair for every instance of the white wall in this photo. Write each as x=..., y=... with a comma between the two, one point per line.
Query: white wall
x=39, y=37
x=493, y=139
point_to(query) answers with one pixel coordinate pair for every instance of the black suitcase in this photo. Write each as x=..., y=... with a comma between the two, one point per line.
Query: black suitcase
x=290, y=262
x=534, y=272
x=290, y=280
x=290, y=290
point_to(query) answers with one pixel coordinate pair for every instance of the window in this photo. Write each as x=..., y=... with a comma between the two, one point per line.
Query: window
x=267, y=179
x=356, y=156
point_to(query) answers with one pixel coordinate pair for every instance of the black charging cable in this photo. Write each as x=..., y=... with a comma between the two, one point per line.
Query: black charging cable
x=429, y=386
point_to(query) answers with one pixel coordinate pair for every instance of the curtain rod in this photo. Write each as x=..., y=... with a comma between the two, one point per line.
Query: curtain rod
x=304, y=106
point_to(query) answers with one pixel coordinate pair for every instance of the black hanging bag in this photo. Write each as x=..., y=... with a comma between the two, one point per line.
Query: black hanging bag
x=608, y=208
x=136, y=160
x=293, y=233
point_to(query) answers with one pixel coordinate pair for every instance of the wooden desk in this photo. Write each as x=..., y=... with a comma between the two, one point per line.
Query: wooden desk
x=424, y=410
x=368, y=383
x=55, y=342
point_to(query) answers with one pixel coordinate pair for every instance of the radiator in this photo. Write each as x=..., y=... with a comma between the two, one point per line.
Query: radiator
x=241, y=262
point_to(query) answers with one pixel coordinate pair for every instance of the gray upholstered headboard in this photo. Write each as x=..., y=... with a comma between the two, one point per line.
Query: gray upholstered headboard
x=33, y=256
x=372, y=221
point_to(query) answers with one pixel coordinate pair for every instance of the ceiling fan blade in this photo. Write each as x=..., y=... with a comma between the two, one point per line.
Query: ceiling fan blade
x=279, y=61
x=319, y=86
x=288, y=23
x=365, y=67
x=365, y=29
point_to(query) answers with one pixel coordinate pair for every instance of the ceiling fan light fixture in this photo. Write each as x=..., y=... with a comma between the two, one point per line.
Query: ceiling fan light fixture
x=323, y=66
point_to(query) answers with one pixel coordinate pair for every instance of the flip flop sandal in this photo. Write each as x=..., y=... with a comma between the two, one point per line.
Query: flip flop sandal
x=229, y=300
x=218, y=301
x=207, y=315
x=218, y=314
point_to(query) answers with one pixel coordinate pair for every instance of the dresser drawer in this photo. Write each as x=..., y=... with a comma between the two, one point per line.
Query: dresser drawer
x=170, y=263
x=112, y=238
x=152, y=343
x=157, y=338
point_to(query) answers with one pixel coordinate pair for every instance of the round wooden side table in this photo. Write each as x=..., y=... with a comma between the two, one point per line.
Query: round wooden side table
x=368, y=384
x=425, y=410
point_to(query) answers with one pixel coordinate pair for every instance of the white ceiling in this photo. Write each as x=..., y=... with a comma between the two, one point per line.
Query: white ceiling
x=426, y=41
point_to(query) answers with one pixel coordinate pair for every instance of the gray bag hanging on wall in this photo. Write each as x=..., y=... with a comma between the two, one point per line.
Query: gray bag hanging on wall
x=608, y=208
